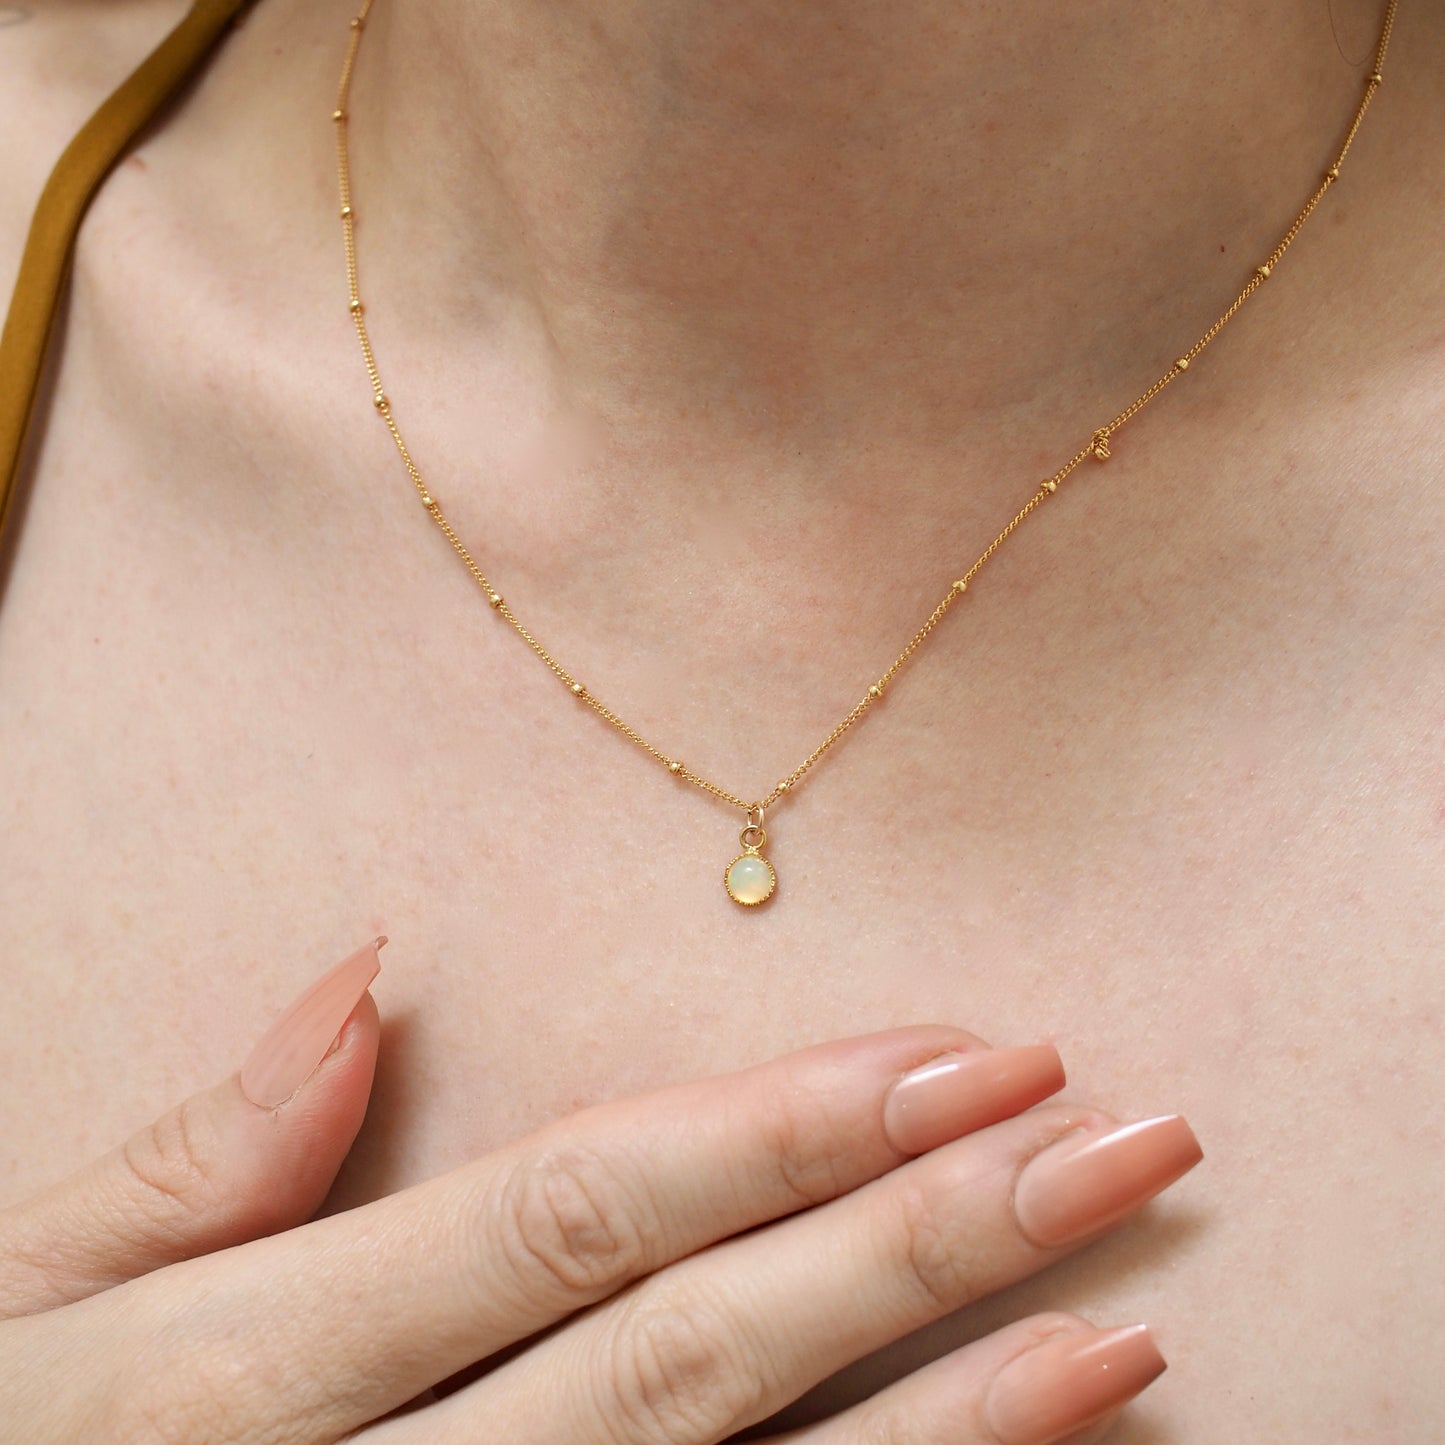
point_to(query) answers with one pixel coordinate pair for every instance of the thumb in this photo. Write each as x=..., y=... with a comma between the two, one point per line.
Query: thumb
x=251, y=1156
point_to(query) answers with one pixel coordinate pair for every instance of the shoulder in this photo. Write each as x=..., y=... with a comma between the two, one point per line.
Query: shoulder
x=59, y=60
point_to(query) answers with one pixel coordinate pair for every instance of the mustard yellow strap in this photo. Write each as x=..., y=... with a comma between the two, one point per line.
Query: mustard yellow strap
x=87, y=160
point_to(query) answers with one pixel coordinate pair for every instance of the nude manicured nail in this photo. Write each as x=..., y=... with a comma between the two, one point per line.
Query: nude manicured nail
x=1083, y=1183
x=956, y=1093
x=1069, y=1381
x=294, y=1046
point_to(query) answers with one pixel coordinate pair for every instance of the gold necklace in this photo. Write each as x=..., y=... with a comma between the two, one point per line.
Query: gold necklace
x=750, y=878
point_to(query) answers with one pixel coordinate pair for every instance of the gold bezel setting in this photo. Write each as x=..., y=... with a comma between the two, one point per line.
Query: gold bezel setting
x=772, y=879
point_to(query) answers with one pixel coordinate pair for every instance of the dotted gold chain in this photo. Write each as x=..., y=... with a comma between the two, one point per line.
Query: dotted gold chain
x=1097, y=448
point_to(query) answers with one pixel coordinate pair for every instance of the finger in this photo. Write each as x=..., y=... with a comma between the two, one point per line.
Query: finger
x=732, y=1335
x=219, y=1169
x=392, y=1297
x=1049, y=1380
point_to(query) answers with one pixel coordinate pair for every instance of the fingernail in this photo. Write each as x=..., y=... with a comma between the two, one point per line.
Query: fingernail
x=1083, y=1183
x=294, y=1046
x=1069, y=1381
x=956, y=1093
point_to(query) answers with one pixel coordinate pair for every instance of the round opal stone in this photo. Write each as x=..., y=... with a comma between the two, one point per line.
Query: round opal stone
x=750, y=879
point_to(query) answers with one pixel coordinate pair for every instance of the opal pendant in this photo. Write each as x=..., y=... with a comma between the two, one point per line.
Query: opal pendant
x=749, y=878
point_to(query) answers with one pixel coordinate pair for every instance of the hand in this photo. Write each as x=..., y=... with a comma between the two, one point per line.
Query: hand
x=172, y=1293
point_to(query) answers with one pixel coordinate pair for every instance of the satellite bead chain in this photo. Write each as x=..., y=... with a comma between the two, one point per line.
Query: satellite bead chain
x=750, y=878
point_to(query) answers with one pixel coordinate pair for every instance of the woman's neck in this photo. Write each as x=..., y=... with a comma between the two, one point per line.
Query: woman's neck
x=815, y=224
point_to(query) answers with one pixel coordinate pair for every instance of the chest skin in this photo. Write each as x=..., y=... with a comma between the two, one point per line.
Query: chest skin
x=1169, y=795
